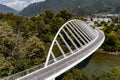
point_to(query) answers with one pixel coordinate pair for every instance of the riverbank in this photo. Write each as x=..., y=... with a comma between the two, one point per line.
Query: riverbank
x=101, y=66
x=102, y=61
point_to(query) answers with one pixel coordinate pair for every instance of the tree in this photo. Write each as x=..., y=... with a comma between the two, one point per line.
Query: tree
x=47, y=16
x=34, y=51
x=5, y=66
x=1, y=16
x=9, y=42
x=65, y=14
x=113, y=74
x=76, y=74
x=112, y=42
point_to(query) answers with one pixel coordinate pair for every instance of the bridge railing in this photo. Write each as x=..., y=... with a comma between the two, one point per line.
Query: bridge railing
x=78, y=30
x=71, y=61
x=67, y=63
x=27, y=71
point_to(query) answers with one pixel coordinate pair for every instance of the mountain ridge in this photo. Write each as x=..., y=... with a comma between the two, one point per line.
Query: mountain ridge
x=5, y=9
x=78, y=7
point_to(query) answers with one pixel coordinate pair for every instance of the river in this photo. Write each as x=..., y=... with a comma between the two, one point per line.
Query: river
x=101, y=62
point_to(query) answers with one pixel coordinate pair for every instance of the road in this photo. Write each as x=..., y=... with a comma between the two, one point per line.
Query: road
x=63, y=65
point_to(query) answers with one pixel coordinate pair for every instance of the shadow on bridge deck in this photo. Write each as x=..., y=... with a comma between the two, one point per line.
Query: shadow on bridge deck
x=81, y=65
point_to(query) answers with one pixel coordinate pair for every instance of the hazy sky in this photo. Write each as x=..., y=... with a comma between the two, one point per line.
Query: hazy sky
x=18, y=4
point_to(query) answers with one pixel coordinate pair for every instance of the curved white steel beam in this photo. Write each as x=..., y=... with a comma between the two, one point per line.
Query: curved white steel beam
x=88, y=39
x=84, y=32
x=56, y=69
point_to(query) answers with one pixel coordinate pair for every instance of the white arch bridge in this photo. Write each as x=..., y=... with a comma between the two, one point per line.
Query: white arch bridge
x=75, y=41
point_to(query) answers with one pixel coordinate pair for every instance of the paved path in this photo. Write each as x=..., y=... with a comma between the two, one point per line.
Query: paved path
x=63, y=64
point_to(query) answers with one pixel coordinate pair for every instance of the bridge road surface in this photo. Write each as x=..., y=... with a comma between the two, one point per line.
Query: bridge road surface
x=54, y=69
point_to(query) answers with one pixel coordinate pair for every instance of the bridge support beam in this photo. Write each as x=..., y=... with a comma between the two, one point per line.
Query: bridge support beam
x=73, y=37
x=50, y=79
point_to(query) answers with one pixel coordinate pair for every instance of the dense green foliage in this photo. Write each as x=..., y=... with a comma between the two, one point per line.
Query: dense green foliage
x=81, y=74
x=76, y=74
x=78, y=7
x=112, y=35
x=23, y=40
x=17, y=53
x=102, y=66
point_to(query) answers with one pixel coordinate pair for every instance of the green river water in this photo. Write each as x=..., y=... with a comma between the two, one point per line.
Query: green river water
x=101, y=62
x=97, y=64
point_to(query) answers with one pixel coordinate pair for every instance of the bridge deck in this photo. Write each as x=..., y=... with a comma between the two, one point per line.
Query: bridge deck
x=61, y=66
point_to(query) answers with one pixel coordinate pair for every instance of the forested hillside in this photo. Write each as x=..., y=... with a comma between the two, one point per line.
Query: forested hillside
x=23, y=41
x=78, y=7
x=6, y=9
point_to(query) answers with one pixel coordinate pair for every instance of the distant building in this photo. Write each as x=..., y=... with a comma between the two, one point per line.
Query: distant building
x=107, y=15
x=101, y=19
